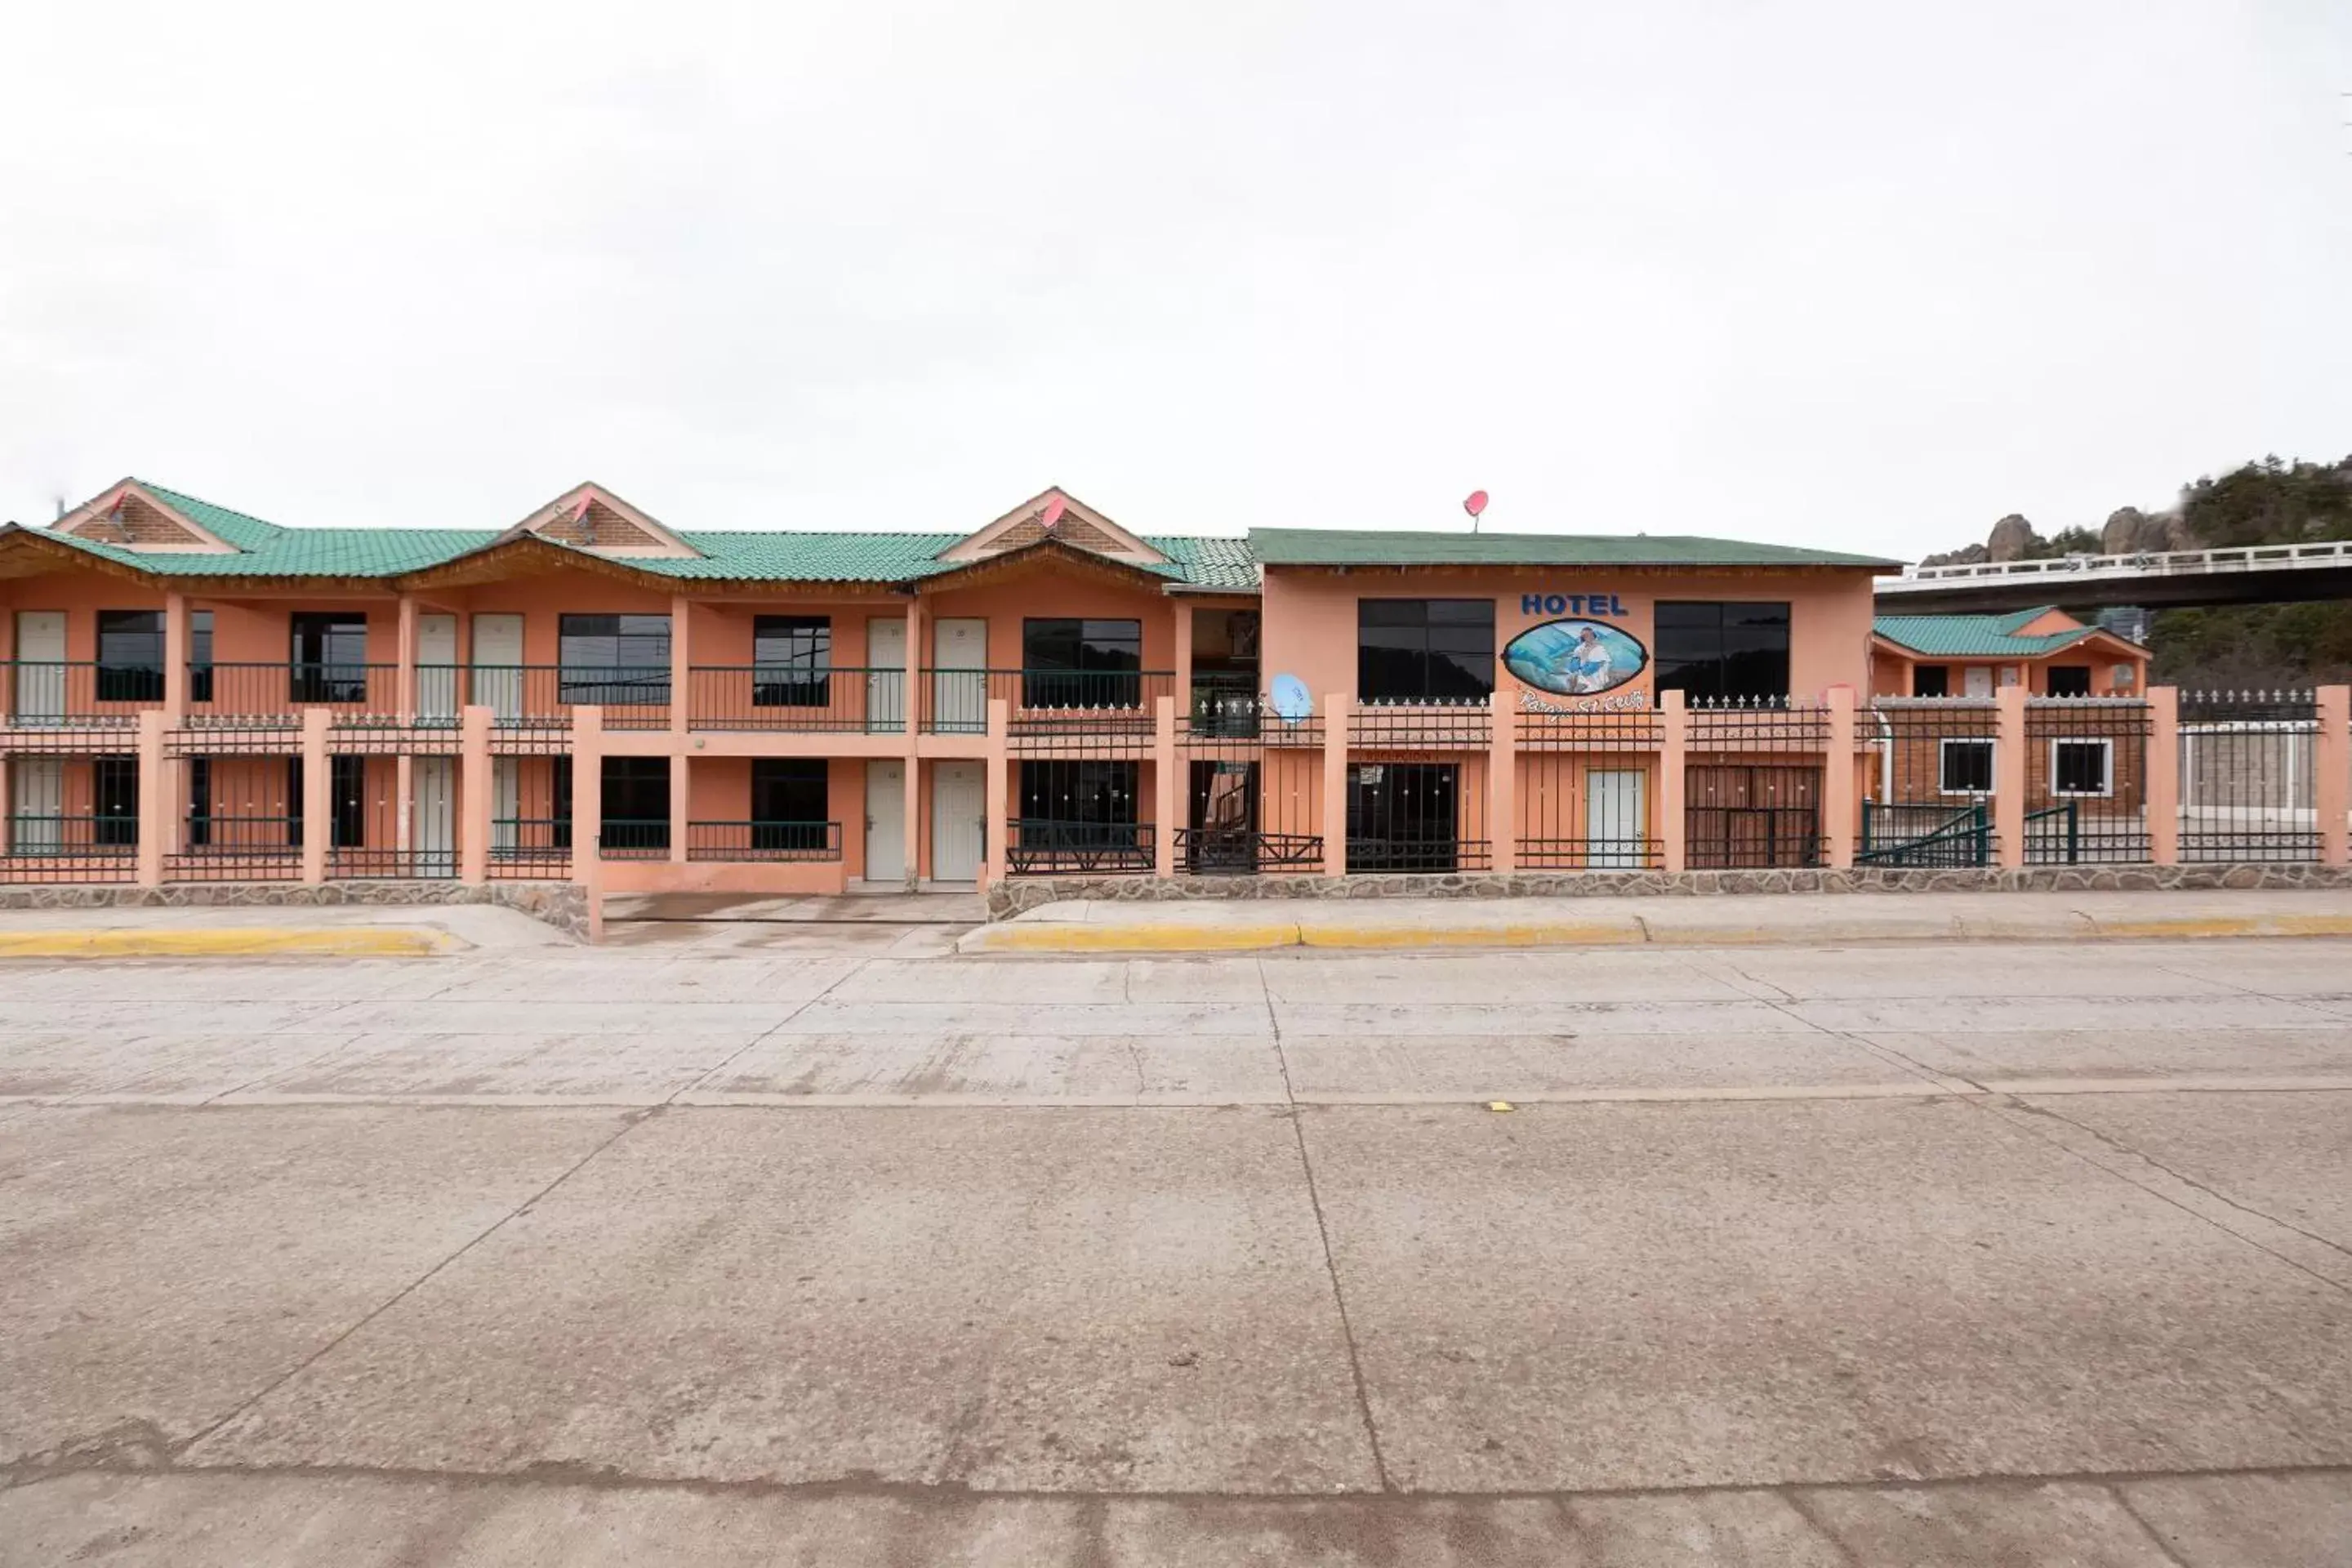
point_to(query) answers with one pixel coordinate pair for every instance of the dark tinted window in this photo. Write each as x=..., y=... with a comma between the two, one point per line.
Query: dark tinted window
x=330, y=655
x=1931, y=681
x=791, y=800
x=1071, y=663
x=1714, y=650
x=1080, y=792
x=2078, y=767
x=793, y=654
x=1424, y=651
x=1967, y=767
x=2070, y=680
x=130, y=655
x=636, y=803
x=613, y=659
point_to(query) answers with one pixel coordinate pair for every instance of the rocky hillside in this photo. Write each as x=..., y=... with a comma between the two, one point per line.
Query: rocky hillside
x=2269, y=502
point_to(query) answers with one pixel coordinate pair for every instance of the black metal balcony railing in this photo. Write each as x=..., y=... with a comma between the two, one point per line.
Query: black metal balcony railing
x=1042, y=847
x=82, y=695
x=796, y=697
x=1245, y=851
x=955, y=701
x=236, y=846
x=243, y=695
x=763, y=841
x=633, y=838
x=1225, y=704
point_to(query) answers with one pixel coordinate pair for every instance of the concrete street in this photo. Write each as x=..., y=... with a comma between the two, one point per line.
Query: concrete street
x=826, y=1244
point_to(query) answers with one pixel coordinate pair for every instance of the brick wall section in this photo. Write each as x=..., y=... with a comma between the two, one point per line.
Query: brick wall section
x=1069, y=531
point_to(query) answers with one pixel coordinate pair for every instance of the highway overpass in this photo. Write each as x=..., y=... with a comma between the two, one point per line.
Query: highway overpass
x=2252, y=575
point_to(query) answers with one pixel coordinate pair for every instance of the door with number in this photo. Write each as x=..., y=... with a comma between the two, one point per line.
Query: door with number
x=40, y=694
x=959, y=676
x=959, y=828
x=886, y=820
x=1615, y=829
x=436, y=669
x=434, y=847
x=885, y=675
x=497, y=664
x=37, y=823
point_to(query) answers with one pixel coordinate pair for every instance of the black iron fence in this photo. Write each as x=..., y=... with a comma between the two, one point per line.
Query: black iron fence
x=2087, y=781
x=236, y=848
x=1586, y=789
x=530, y=849
x=2247, y=786
x=798, y=698
x=1925, y=835
x=1045, y=846
x=1250, y=796
x=1931, y=768
x=763, y=841
x=76, y=847
x=633, y=838
x=1418, y=816
x=956, y=702
x=1467, y=726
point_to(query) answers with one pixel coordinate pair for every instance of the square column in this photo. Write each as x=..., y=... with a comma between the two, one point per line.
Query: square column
x=1841, y=804
x=681, y=802
x=2163, y=764
x=910, y=774
x=1335, y=786
x=1168, y=808
x=994, y=831
x=474, y=795
x=681, y=673
x=2009, y=775
x=317, y=803
x=1503, y=783
x=155, y=827
x=2331, y=784
x=588, y=798
x=1673, y=798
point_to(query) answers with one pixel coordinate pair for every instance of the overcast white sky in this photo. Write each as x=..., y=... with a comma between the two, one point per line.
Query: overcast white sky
x=1854, y=273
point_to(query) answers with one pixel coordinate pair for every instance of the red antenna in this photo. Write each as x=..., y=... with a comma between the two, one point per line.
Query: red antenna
x=1476, y=505
x=1053, y=512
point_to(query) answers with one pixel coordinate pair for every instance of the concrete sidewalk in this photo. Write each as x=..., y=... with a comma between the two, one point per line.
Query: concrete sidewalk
x=325, y=931
x=1097, y=926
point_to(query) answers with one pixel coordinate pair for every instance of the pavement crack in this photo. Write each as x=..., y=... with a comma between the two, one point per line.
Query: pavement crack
x=2190, y=1182
x=1323, y=1234
x=2155, y=1537
x=629, y=1122
x=764, y=1035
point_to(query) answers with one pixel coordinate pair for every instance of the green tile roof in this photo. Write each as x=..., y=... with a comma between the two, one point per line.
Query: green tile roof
x=1372, y=547
x=1975, y=637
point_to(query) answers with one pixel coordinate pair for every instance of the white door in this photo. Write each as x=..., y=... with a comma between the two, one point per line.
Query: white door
x=886, y=673
x=1615, y=826
x=1976, y=680
x=506, y=803
x=886, y=821
x=959, y=810
x=434, y=836
x=498, y=666
x=959, y=676
x=436, y=669
x=36, y=826
x=40, y=667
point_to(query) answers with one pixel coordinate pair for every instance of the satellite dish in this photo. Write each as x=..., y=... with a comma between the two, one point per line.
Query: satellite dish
x=1476, y=504
x=1292, y=703
x=1053, y=512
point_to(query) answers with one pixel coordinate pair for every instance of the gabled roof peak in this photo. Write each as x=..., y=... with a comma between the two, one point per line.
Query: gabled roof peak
x=1054, y=513
x=132, y=515
x=589, y=516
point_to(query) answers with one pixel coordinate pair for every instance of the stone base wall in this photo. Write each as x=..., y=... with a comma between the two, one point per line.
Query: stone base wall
x=563, y=905
x=1012, y=897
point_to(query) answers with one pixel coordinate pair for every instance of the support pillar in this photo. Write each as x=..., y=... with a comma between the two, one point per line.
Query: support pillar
x=1168, y=808
x=681, y=804
x=1183, y=661
x=1503, y=783
x=2331, y=784
x=1841, y=804
x=474, y=795
x=995, y=832
x=910, y=795
x=154, y=801
x=405, y=674
x=404, y=806
x=681, y=678
x=919, y=717
x=2009, y=775
x=1335, y=786
x=176, y=651
x=1674, y=749
x=588, y=798
x=317, y=803
x=2162, y=768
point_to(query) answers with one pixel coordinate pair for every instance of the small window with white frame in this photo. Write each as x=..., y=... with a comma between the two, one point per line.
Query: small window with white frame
x=2081, y=767
x=1965, y=765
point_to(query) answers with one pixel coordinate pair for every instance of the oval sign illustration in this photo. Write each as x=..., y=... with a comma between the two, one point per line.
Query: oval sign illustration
x=1575, y=659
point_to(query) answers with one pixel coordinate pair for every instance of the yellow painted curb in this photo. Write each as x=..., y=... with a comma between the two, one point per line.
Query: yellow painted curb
x=1526, y=935
x=1048, y=937
x=228, y=941
x=2229, y=925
